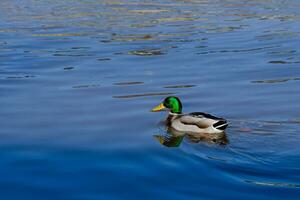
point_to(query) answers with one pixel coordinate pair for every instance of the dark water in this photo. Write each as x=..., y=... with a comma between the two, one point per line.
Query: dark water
x=78, y=78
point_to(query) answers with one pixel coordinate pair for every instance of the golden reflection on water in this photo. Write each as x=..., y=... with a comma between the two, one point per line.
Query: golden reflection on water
x=132, y=37
x=147, y=52
x=58, y=34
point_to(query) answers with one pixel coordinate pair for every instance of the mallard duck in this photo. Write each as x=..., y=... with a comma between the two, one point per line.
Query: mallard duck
x=195, y=123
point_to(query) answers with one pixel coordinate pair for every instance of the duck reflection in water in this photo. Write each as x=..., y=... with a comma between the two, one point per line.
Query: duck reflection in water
x=173, y=138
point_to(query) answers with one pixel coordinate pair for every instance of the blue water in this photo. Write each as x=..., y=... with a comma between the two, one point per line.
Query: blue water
x=78, y=78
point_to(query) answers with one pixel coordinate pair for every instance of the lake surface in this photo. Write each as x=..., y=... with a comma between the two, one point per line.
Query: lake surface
x=78, y=78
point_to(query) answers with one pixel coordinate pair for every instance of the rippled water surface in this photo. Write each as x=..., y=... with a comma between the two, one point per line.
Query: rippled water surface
x=78, y=78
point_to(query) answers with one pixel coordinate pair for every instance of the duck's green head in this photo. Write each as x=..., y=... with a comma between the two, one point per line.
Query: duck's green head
x=170, y=103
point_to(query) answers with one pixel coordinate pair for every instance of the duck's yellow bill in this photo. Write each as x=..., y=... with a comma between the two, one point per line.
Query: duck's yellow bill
x=158, y=108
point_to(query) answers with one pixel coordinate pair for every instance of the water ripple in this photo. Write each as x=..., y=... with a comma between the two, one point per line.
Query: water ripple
x=273, y=184
x=272, y=81
x=143, y=95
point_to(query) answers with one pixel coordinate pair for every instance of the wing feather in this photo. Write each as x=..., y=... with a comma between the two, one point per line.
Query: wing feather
x=200, y=121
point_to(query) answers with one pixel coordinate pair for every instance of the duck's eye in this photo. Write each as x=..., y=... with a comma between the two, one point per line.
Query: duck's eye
x=168, y=105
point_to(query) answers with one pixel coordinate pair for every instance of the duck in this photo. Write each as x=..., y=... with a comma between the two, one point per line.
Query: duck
x=197, y=124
